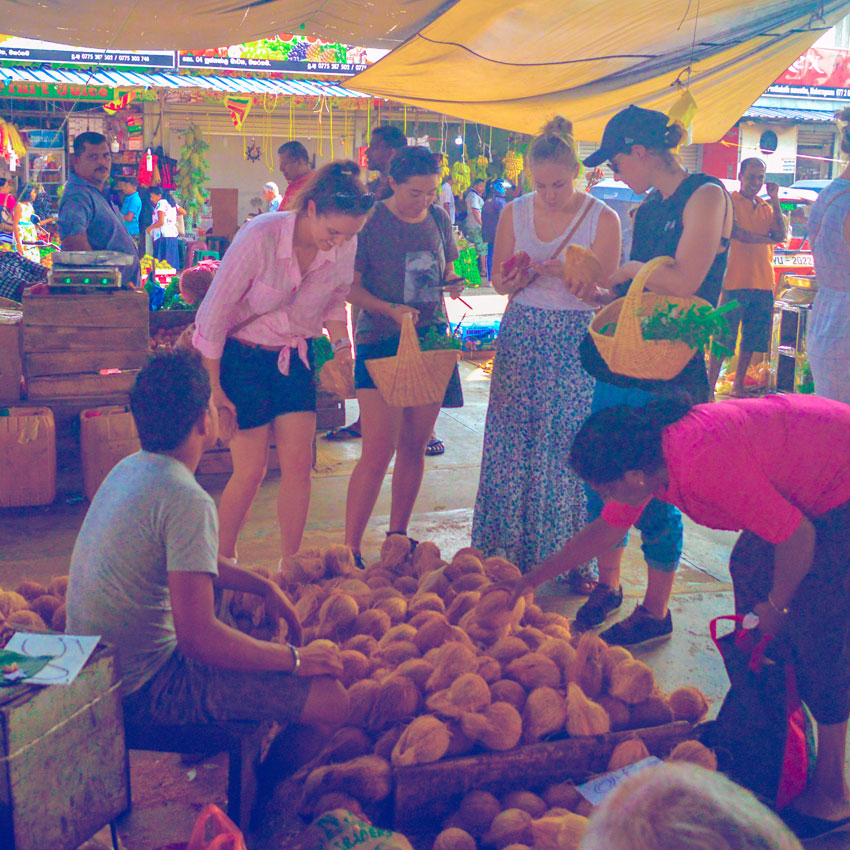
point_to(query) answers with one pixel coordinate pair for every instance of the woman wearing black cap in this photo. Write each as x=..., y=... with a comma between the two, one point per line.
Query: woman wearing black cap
x=687, y=217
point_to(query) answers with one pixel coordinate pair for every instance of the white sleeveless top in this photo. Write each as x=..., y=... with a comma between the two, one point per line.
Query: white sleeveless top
x=546, y=291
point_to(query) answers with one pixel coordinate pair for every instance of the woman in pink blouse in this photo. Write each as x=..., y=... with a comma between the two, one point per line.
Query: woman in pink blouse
x=283, y=280
x=777, y=469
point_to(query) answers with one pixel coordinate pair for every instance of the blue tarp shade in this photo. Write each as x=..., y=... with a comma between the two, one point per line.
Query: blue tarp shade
x=162, y=80
x=781, y=113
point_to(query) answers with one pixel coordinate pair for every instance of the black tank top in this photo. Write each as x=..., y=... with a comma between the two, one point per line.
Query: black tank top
x=658, y=228
x=659, y=224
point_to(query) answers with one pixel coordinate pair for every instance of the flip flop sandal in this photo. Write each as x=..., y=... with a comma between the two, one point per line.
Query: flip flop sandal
x=346, y=432
x=435, y=447
x=580, y=585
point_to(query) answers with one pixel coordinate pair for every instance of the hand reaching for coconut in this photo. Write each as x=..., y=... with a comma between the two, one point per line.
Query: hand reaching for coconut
x=279, y=605
x=319, y=660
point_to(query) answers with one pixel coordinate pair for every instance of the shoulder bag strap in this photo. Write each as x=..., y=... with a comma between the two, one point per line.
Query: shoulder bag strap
x=245, y=322
x=813, y=236
x=570, y=233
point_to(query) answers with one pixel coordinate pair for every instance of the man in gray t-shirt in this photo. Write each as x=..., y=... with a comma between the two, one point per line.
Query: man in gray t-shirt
x=143, y=571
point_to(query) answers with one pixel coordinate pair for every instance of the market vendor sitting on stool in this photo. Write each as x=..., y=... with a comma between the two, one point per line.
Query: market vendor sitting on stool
x=145, y=566
x=789, y=456
x=88, y=220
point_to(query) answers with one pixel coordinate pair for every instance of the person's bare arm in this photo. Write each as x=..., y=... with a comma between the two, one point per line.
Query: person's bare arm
x=596, y=537
x=16, y=228
x=750, y=238
x=156, y=225
x=203, y=638
x=360, y=297
x=76, y=242
x=792, y=560
x=703, y=221
x=503, y=249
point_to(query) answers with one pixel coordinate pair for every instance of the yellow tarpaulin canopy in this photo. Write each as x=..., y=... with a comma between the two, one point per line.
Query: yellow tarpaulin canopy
x=201, y=24
x=515, y=63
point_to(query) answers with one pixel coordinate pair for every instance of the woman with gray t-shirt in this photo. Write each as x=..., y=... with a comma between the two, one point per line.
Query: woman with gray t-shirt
x=828, y=335
x=404, y=259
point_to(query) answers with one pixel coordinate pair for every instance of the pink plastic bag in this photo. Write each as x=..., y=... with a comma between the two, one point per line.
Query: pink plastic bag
x=214, y=830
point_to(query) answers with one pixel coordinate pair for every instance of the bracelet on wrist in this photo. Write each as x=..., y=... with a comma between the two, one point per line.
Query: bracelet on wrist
x=341, y=345
x=296, y=656
x=782, y=611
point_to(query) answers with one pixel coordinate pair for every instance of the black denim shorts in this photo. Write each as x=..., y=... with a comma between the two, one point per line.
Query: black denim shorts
x=252, y=380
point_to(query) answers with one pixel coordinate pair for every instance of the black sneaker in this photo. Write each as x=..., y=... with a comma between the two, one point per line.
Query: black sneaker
x=600, y=605
x=639, y=628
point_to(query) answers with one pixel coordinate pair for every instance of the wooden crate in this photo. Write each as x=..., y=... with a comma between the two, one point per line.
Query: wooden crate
x=27, y=457
x=63, y=763
x=430, y=792
x=69, y=339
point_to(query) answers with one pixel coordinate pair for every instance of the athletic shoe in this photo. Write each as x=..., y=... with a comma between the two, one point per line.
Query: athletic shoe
x=600, y=605
x=639, y=628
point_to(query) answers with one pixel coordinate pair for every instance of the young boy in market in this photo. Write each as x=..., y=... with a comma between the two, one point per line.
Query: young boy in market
x=145, y=566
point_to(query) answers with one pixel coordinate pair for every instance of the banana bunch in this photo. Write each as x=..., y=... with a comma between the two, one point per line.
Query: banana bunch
x=192, y=173
x=513, y=165
x=461, y=177
x=480, y=168
x=445, y=171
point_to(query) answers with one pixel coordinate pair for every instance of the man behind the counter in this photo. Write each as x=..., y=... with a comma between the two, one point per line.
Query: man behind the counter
x=145, y=565
x=88, y=220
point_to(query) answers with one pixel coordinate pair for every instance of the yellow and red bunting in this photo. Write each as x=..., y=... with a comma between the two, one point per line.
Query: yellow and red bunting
x=121, y=102
x=239, y=107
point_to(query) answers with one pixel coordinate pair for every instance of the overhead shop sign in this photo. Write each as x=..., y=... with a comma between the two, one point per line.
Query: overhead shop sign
x=55, y=91
x=819, y=73
x=27, y=50
x=284, y=52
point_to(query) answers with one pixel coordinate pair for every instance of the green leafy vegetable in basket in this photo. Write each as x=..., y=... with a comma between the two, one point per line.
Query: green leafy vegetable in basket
x=697, y=327
x=434, y=340
x=322, y=352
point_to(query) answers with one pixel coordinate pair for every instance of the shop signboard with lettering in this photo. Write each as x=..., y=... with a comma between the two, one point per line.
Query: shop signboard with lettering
x=819, y=73
x=17, y=50
x=55, y=91
x=284, y=52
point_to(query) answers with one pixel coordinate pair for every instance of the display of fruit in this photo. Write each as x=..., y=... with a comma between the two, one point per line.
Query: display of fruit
x=519, y=261
x=461, y=178
x=438, y=664
x=513, y=165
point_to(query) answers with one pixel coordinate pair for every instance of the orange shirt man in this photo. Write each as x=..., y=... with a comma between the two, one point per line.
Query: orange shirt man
x=759, y=225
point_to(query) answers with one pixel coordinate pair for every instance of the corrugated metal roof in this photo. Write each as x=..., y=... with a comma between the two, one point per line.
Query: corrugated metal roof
x=172, y=80
x=781, y=113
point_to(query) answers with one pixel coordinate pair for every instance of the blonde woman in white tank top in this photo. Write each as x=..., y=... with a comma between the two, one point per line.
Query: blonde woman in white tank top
x=529, y=501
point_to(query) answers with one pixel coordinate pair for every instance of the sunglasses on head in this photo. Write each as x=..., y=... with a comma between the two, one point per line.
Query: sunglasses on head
x=354, y=200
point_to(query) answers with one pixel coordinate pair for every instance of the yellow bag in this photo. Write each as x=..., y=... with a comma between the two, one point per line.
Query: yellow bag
x=413, y=377
x=627, y=352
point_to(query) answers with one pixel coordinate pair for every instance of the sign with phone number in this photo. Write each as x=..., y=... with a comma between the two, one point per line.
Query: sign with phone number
x=793, y=260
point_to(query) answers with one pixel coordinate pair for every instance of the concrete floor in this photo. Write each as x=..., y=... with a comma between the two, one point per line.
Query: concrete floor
x=36, y=543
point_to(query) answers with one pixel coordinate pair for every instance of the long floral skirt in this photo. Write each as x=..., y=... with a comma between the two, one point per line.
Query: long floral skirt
x=529, y=500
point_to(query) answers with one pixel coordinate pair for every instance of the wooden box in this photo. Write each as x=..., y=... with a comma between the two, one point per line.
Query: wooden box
x=107, y=434
x=10, y=356
x=63, y=763
x=68, y=340
x=27, y=457
x=428, y=793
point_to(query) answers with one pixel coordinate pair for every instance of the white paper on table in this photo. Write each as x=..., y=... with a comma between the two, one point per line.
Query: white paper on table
x=600, y=787
x=69, y=655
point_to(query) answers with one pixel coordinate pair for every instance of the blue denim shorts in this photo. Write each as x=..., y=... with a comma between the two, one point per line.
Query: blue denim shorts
x=660, y=524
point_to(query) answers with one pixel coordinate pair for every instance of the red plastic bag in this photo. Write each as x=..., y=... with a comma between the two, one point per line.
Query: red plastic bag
x=214, y=830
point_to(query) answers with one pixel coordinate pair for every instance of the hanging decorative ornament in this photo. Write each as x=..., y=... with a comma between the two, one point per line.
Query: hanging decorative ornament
x=239, y=107
x=253, y=152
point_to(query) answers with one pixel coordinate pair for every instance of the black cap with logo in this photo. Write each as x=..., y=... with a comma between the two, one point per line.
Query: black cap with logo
x=632, y=126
